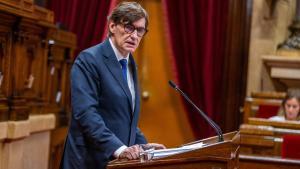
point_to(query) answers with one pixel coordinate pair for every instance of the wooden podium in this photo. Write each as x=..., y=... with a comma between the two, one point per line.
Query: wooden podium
x=213, y=155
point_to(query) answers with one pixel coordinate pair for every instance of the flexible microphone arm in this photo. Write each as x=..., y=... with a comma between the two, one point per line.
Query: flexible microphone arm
x=210, y=122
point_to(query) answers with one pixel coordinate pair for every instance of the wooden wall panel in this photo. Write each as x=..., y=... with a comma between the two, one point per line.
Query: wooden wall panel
x=60, y=58
x=5, y=52
x=28, y=59
x=236, y=62
x=35, y=62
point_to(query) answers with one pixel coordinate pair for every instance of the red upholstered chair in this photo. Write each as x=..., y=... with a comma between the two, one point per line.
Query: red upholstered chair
x=267, y=111
x=291, y=146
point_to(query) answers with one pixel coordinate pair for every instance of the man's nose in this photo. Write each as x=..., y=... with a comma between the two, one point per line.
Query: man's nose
x=134, y=34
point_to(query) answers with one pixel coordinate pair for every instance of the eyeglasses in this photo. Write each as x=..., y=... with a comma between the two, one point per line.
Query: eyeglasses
x=128, y=28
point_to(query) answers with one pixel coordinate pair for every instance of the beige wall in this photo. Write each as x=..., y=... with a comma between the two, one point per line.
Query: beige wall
x=25, y=144
x=269, y=28
x=3, y=135
x=36, y=151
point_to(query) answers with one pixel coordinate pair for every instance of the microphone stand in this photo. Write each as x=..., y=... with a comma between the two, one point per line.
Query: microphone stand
x=210, y=122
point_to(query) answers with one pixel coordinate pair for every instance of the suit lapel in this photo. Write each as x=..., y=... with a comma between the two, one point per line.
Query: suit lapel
x=114, y=67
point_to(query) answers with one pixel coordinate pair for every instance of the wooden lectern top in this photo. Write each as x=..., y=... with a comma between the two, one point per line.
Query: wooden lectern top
x=213, y=154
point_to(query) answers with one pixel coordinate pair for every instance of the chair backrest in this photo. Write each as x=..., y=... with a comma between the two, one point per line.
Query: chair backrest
x=267, y=111
x=291, y=146
x=260, y=107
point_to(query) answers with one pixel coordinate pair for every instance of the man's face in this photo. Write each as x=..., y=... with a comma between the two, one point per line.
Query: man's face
x=292, y=109
x=126, y=42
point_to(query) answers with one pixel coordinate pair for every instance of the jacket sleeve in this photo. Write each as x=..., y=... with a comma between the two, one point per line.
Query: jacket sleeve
x=140, y=138
x=85, y=84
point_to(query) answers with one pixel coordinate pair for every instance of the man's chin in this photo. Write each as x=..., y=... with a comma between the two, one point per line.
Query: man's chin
x=130, y=50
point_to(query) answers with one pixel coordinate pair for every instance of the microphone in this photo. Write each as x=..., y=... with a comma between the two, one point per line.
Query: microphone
x=210, y=121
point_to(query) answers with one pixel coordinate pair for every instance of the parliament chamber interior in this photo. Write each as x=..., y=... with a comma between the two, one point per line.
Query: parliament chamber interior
x=236, y=60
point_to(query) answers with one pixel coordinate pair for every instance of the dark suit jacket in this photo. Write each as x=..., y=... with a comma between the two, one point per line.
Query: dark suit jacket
x=102, y=116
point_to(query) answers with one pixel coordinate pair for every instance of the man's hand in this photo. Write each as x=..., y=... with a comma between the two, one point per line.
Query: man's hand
x=155, y=146
x=131, y=153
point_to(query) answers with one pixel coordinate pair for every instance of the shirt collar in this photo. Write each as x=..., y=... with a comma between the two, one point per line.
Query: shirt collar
x=117, y=53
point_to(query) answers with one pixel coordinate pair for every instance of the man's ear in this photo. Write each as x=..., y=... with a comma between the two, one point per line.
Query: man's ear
x=112, y=27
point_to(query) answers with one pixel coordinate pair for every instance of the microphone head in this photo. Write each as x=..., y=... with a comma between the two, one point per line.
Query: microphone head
x=172, y=84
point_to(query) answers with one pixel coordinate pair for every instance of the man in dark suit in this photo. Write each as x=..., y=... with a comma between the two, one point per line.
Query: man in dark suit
x=105, y=96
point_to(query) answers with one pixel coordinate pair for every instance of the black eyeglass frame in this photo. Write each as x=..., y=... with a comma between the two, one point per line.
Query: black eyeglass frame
x=129, y=28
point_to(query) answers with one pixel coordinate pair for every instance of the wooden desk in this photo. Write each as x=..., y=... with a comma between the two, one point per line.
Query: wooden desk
x=276, y=124
x=214, y=155
x=265, y=162
x=264, y=137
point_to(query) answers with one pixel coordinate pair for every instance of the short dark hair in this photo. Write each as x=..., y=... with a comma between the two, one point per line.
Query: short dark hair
x=127, y=13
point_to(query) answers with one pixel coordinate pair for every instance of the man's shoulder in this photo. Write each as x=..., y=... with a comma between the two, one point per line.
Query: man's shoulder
x=95, y=52
x=96, y=49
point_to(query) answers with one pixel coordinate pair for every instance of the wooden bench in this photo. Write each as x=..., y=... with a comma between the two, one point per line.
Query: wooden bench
x=261, y=143
x=262, y=104
x=267, y=162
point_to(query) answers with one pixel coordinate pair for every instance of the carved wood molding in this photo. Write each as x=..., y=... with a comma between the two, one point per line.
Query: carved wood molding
x=26, y=8
x=284, y=70
x=63, y=38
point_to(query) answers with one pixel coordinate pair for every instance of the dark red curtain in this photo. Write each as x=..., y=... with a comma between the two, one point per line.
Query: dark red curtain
x=87, y=20
x=197, y=34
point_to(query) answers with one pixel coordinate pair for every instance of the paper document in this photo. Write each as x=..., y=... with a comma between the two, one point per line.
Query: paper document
x=171, y=151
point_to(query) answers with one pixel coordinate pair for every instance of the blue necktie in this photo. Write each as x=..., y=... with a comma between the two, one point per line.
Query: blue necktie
x=123, y=62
